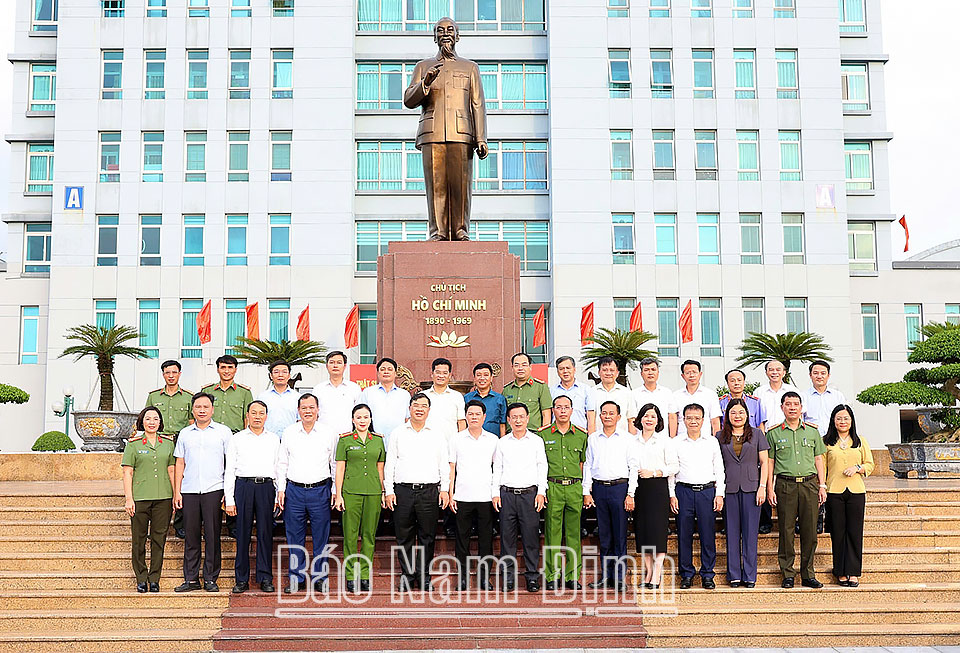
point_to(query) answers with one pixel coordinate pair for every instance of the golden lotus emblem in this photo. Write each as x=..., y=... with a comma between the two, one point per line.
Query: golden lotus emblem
x=448, y=340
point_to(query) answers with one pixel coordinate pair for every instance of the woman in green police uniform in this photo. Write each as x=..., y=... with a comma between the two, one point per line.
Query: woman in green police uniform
x=360, y=457
x=148, y=465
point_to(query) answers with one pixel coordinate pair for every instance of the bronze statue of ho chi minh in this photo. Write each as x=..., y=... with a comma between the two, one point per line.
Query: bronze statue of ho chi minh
x=452, y=126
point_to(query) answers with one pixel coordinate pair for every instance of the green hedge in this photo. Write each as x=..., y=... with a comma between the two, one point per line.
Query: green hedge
x=12, y=395
x=53, y=441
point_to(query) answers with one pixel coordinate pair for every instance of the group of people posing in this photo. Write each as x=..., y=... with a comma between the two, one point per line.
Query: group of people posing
x=493, y=461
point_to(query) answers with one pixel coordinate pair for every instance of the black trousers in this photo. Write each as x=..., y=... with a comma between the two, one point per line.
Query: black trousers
x=846, y=531
x=151, y=518
x=202, y=512
x=415, y=522
x=465, y=513
x=519, y=516
x=254, y=499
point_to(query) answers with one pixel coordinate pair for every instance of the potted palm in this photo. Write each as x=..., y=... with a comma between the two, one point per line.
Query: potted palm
x=309, y=353
x=625, y=347
x=759, y=348
x=104, y=429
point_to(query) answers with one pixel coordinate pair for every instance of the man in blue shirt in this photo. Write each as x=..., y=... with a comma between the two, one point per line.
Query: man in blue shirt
x=495, y=418
x=584, y=409
x=736, y=382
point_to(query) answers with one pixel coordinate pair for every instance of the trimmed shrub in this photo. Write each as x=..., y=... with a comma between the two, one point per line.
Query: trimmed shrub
x=53, y=441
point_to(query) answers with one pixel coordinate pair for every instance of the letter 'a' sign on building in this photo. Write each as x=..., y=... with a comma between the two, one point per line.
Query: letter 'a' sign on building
x=73, y=198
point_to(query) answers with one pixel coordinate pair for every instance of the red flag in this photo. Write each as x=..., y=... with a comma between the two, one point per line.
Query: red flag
x=636, y=319
x=539, y=328
x=203, y=323
x=686, y=323
x=906, y=233
x=303, y=324
x=351, y=331
x=586, y=324
x=253, y=321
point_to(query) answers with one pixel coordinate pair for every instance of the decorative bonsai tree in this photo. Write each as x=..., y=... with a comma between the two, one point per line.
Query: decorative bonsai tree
x=12, y=395
x=103, y=345
x=625, y=347
x=758, y=348
x=53, y=441
x=309, y=353
x=937, y=386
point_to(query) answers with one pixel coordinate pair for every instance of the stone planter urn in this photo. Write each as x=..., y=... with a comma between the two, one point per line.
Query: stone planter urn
x=103, y=430
x=924, y=457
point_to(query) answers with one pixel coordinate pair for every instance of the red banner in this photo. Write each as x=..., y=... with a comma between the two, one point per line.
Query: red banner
x=253, y=321
x=203, y=323
x=539, y=329
x=906, y=233
x=351, y=330
x=686, y=323
x=303, y=324
x=636, y=319
x=586, y=324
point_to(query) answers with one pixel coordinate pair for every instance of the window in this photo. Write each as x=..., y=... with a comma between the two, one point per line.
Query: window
x=668, y=336
x=753, y=319
x=106, y=313
x=751, y=244
x=744, y=64
x=659, y=8
x=40, y=168
x=618, y=8
x=240, y=8
x=109, y=157
x=663, y=155
x=279, y=319
x=858, y=164
x=621, y=154
x=193, y=239
x=622, y=311
x=374, y=236
x=952, y=312
x=870, y=317
x=537, y=355
x=862, y=245
x=514, y=86
x=706, y=148
x=743, y=8
x=280, y=143
x=235, y=322
x=150, y=326
x=282, y=74
x=282, y=8
x=150, y=240
x=384, y=165
x=701, y=8
x=661, y=74
x=107, y=226
x=112, y=8
x=855, y=86
x=796, y=313
x=748, y=156
x=703, y=73
x=29, y=333
x=619, y=65
x=280, y=239
x=44, y=17
x=784, y=8
x=789, y=156
x=420, y=15
x=665, y=230
x=710, y=327
x=380, y=85
x=152, y=156
x=623, y=252
x=196, y=156
x=236, y=240
x=190, y=340
x=368, y=335
x=198, y=9
x=787, y=86
x=852, y=16
x=112, y=75
x=913, y=314
x=197, y=74
x=43, y=86
x=239, y=148
x=708, y=238
x=510, y=165
x=36, y=250
x=156, y=9
x=153, y=84
x=239, y=74
x=792, y=237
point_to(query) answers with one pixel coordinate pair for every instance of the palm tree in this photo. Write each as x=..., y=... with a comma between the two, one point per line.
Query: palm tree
x=930, y=329
x=758, y=348
x=104, y=345
x=309, y=353
x=625, y=347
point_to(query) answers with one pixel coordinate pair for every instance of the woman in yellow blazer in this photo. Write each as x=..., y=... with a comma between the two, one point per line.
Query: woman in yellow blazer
x=849, y=461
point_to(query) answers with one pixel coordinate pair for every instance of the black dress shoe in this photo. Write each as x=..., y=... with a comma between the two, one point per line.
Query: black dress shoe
x=320, y=585
x=364, y=585
x=508, y=585
x=426, y=585
x=351, y=588
x=292, y=588
x=240, y=588
x=405, y=585
x=533, y=586
x=188, y=586
x=154, y=587
x=451, y=533
x=734, y=583
x=811, y=582
x=787, y=583
x=749, y=585
x=267, y=586
x=464, y=584
x=686, y=583
x=210, y=586
x=708, y=584
x=232, y=533
x=142, y=588
x=796, y=529
x=853, y=583
x=573, y=585
x=763, y=530
x=598, y=584
x=484, y=584
x=180, y=533
x=553, y=585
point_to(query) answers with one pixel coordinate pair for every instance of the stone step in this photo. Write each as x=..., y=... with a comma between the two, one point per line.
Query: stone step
x=126, y=599
x=831, y=596
x=802, y=634
x=107, y=641
x=63, y=499
x=858, y=612
x=70, y=619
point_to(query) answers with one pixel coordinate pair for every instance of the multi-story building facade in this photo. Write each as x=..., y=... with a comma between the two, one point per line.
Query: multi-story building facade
x=730, y=153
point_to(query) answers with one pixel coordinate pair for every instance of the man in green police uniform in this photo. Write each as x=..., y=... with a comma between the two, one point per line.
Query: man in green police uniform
x=798, y=468
x=566, y=447
x=230, y=398
x=525, y=389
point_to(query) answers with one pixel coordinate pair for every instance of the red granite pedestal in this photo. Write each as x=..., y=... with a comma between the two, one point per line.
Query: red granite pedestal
x=458, y=300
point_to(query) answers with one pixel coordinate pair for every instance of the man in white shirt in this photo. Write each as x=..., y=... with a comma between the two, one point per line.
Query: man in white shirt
x=471, y=473
x=770, y=395
x=389, y=403
x=519, y=493
x=610, y=390
x=651, y=392
x=446, y=404
x=248, y=491
x=416, y=466
x=695, y=393
x=820, y=399
x=584, y=410
x=280, y=398
x=337, y=395
x=198, y=490
x=609, y=483
x=696, y=493
x=306, y=467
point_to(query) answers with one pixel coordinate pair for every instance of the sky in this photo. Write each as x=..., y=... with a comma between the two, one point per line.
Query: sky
x=921, y=111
